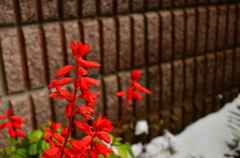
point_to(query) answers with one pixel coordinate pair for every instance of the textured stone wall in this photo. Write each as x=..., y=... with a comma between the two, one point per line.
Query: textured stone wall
x=187, y=50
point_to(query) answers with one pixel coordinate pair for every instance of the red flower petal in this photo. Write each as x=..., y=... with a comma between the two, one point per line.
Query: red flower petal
x=74, y=48
x=48, y=135
x=9, y=124
x=20, y=134
x=121, y=93
x=85, y=111
x=62, y=81
x=11, y=133
x=77, y=144
x=9, y=112
x=3, y=116
x=103, y=136
x=63, y=71
x=52, y=152
x=141, y=88
x=135, y=75
x=55, y=126
x=46, y=129
x=136, y=95
x=17, y=125
x=2, y=125
x=18, y=119
x=83, y=126
x=58, y=137
x=102, y=124
x=83, y=49
x=88, y=64
x=69, y=110
x=82, y=72
x=90, y=81
x=63, y=94
x=86, y=140
x=102, y=148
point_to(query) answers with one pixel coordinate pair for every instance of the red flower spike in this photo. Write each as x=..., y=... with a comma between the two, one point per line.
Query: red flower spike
x=82, y=72
x=18, y=119
x=64, y=131
x=83, y=49
x=89, y=64
x=20, y=134
x=69, y=110
x=2, y=125
x=63, y=71
x=9, y=111
x=90, y=81
x=102, y=124
x=3, y=116
x=83, y=126
x=121, y=93
x=135, y=75
x=74, y=48
x=102, y=148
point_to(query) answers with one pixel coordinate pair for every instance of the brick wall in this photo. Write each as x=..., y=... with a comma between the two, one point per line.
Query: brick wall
x=188, y=51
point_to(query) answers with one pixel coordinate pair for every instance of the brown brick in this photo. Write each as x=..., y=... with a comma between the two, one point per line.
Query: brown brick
x=137, y=5
x=12, y=60
x=42, y=109
x=187, y=115
x=140, y=105
x=128, y=133
x=49, y=10
x=88, y=8
x=176, y=120
x=1, y=91
x=122, y=6
x=154, y=126
x=3, y=132
x=34, y=55
x=222, y=22
x=179, y=3
x=198, y=109
x=227, y=96
x=238, y=24
x=153, y=4
x=164, y=121
x=208, y=106
x=59, y=108
x=138, y=38
x=234, y=93
x=7, y=12
x=231, y=25
x=210, y=68
x=106, y=7
x=71, y=30
x=166, y=4
x=190, y=32
x=217, y=102
x=70, y=9
x=91, y=35
x=200, y=71
x=153, y=37
x=166, y=36
x=191, y=2
x=166, y=85
x=178, y=38
x=236, y=74
x=124, y=81
x=213, y=1
x=54, y=49
x=22, y=107
x=178, y=81
x=154, y=87
x=228, y=68
x=28, y=11
x=219, y=71
x=111, y=87
x=124, y=44
x=202, y=1
x=109, y=45
x=189, y=79
x=212, y=28
x=201, y=30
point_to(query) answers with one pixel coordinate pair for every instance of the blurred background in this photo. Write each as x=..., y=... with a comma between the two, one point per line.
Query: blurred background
x=187, y=50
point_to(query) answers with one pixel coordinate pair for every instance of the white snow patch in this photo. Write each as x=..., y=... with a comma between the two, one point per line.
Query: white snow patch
x=141, y=127
x=206, y=138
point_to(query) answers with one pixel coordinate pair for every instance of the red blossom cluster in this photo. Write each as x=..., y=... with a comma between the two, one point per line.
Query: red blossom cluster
x=87, y=147
x=13, y=122
x=132, y=93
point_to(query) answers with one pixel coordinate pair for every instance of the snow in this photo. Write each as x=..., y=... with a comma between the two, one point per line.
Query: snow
x=141, y=127
x=206, y=138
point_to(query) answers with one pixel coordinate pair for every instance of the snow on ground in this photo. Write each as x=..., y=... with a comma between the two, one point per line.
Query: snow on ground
x=206, y=138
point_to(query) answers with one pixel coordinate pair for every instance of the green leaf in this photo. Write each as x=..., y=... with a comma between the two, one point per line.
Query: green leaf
x=118, y=139
x=10, y=149
x=45, y=145
x=116, y=144
x=15, y=156
x=112, y=156
x=35, y=135
x=24, y=143
x=11, y=141
x=129, y=149
x=35, y=148
x=100, y=156
x=22, y=152
x=3, y=156
x=122, y=151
